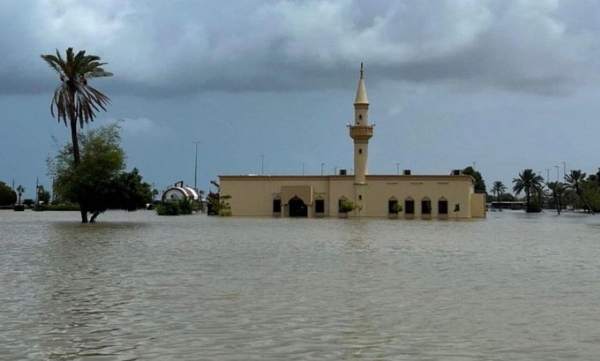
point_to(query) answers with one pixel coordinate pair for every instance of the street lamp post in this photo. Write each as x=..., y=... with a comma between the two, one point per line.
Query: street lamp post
x=564, y=169
x=196, y=166
x=397, y=168
x=557, y=168
x=262, y=164
x=322, y=165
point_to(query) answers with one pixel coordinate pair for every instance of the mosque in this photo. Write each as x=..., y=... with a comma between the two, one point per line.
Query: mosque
x=378, y=196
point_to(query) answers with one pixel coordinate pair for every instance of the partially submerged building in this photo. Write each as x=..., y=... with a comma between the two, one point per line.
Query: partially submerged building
x=420, y=196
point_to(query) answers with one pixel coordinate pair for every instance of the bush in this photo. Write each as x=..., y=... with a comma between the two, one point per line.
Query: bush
x=177, y=207
x=533, y=207
x=347, y=206
x=397, y=208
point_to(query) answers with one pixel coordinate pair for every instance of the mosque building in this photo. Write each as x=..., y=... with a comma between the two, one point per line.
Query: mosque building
x=379, y=196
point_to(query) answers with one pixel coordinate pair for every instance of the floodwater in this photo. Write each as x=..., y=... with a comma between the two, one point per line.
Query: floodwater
x=136, y=286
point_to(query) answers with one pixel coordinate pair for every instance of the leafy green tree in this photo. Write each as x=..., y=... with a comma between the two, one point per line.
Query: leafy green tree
x=130, y=192
x=98, y=182
x=74, y=100
x=591, y=196
x=7, y=195
x=479, y=182
x=529, y=182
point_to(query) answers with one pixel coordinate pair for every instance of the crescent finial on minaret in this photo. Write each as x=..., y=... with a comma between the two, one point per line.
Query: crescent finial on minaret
x=361, y=69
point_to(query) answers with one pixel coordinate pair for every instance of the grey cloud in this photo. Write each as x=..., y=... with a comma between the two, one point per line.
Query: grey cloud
x=183, y=47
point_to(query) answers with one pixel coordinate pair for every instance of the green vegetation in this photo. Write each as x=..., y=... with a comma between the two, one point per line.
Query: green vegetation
x=397, y=208
x=7, y=195
x=75, y=102
x=216, y=203
x=177, y=207
x=347, y=206
x=498, y=189
x=479, y=182
x=98, y=182
x=20, y=191
x=531, y=183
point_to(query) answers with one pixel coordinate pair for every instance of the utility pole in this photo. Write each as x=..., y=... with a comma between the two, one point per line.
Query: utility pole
x=196, y=166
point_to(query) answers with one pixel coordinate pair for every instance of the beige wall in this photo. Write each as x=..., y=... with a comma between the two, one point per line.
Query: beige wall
x=478, y=208
x=253, y=195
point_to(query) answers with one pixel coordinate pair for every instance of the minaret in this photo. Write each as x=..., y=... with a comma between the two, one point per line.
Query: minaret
x=361, y=132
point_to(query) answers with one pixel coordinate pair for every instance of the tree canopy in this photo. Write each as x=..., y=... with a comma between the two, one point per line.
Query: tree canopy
x=7, y=195
x=529, y=182
x=99, y=182
x=479, y=182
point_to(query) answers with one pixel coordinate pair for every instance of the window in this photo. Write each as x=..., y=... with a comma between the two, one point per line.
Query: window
x=409, y=206
x=442, y=206
x=319, y=206
x=392, y=206
x=426, y=206
x=276, y=205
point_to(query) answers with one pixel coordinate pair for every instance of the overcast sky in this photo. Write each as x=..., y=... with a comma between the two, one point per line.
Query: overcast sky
x=269, y=85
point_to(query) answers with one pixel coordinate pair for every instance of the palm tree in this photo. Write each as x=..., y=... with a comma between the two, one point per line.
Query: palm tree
x=575, y=180
x=498, y=189
x=75, y=101
x=20, y=191
x=558, y=192
x=529, y=182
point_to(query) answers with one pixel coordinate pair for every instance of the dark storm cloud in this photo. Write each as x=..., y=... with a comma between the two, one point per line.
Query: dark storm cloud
x=173, y=48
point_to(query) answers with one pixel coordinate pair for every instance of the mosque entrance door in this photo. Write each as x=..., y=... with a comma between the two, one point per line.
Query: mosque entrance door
x=297, y=207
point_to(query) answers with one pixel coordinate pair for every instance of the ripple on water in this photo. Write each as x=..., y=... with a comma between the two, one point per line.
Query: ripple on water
x=137, y=286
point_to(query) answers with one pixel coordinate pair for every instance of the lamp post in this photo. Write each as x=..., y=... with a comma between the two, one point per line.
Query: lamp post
x=557, y=168
x=322, y=165
x=397, y=168
x=262, y=164
x=547, y=175
x=196, y=166
x=564, y=169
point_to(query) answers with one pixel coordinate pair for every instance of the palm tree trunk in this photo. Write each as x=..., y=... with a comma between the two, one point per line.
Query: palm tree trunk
x=76, y=162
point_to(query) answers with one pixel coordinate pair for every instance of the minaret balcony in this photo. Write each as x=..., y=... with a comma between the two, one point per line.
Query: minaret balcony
x=361, y=132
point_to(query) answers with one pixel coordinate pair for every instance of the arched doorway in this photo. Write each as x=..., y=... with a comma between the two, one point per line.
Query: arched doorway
x=297, y=207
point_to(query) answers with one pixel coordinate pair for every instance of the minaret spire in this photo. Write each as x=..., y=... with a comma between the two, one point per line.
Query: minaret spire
x=361, y=131
x=361, y=92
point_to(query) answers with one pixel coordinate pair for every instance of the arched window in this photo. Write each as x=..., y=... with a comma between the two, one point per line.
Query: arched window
x=409, y=206
x=443, y=206
x=426, y=206
x=393, y=205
